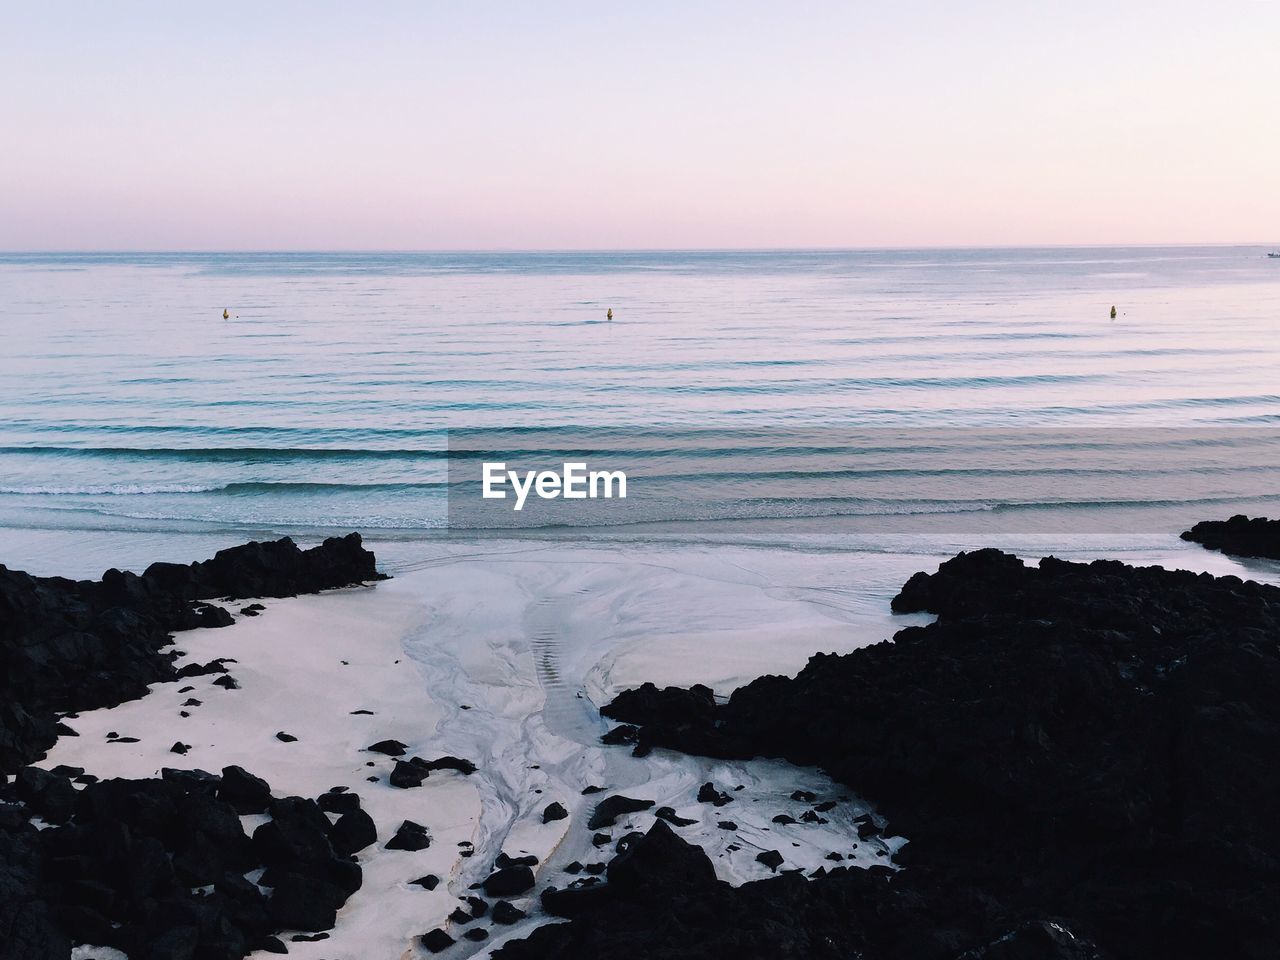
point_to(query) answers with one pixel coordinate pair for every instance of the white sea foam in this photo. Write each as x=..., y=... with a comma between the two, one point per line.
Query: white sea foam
x=110, y=489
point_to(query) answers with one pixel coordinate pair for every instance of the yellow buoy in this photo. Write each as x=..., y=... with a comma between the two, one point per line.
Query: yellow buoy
x=227, y=316
x=609, y=315
x=1113, y=313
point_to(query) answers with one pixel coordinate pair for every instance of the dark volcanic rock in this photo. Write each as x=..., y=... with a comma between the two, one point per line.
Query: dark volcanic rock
x=245, y=792
x=125, y=869
x=505, y=914
x=1082, y=756
x=528, y=860
x=554, y=811
x=770, y=858
x=668, y=814
x=120, y=862
x=1035, y=940
x=663, y=901
x=211, y=615
x=201, y=670
x=610, y=809
x=465, y=767
x=707, y=793
x=276, y=568
x=655, y=858
x=352, y=832
x=625, y=733
x=667, y=905
x=392, y=748
x=410, y=773
x=301, y=902
x=437, y=941
x=668, y=713
x=407, y=775
x=410, y=836
x=1241, y=536
x=338, y=801
x=508, y=881
x=298, y=832
x=49, y=794
x=671, y=706
x=69, y=645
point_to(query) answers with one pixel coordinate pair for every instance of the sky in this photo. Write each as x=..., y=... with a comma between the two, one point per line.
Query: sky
x=565, y=125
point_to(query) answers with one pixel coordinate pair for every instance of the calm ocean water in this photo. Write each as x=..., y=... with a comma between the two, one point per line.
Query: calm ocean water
x=127, y=402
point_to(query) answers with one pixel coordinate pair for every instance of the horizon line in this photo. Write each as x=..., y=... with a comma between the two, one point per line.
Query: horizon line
x=195, y=251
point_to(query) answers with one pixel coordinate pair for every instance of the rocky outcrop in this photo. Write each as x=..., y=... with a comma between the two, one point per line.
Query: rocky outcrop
x=276, y=568
x=153, y=867
x=662, y=901
x=156, y=868
x=69, y=645
x=1240, y=536
x=669, y=715
x=1081, y=755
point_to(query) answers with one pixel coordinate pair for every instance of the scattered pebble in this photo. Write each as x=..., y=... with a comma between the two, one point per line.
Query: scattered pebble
x=392, y=748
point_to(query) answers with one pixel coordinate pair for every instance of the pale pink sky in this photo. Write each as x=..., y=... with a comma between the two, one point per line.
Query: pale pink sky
x=419, y=125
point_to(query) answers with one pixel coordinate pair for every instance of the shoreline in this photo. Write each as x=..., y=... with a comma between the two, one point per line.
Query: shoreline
x=1077, y=752
x=289, y=664
x=469, y=684
x=504, y=659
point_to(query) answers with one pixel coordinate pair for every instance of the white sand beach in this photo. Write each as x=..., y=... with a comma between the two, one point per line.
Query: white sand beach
x=502, y=653
x=302, y=667
x=500, y=657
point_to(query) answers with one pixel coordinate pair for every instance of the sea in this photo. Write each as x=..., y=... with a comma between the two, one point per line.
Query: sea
x=867, y=400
